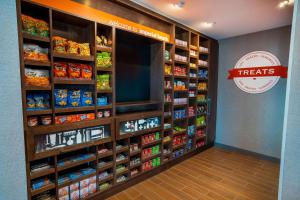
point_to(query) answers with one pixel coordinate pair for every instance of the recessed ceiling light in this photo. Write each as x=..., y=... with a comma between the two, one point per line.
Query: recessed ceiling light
x=179, y=5
x=207, y=24
x=285, y=3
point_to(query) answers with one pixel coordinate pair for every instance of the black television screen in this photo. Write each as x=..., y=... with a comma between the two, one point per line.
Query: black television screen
x=133, y=67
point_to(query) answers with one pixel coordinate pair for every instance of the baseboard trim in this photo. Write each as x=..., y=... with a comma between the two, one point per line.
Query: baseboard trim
x=258, y=155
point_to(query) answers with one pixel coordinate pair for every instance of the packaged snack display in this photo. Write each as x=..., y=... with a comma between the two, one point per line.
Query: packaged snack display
x=86, y=72
x=61, y=97
x=38, y=101
x=46, y=120
x=32, y=121
x=103, y=82
x=74, y=98
x=35, y=52
x=167, y=55
x=62, y=45
x=103, y=59
x=37, y=77
x=103, y=41
x=84, y=192
x=84, y=49
x=74, y=70
x=74, y=195
x=39, y=183
x=59, y=44
x=72, y=47
x=60, y=69
x=34, y=26
x=168, y=69
x=63, y=191
x=102, y=101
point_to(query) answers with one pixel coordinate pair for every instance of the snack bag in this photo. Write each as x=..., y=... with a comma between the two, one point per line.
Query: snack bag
x=28, y=24
x=60, y=69
x=86, y=98
x=60, y=119
x=74, y=70
x=72, y=47
x=31, y=52
x=42, y=101
x=103, y=82
x=92, y=188
x=30, y=101
x=84, y=183
x=63, y=191
x=99, y=60
x=72, y=118
x=74, y=187
x=86, y=72
x=74, y=98
x=84, y=192
x=60, y=96
x=84, y=49
x=42, y=28
x=74, y=195
x=36, y=77
x=106, y=59
x=59, y=44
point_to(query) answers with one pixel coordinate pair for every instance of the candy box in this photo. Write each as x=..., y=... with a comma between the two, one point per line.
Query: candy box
x=84, y=183
x=92, y=188
x=74, y=195
x=92, y=180
x=74, y=187
x=63, y=191
x=84, y=192
x=64, y=198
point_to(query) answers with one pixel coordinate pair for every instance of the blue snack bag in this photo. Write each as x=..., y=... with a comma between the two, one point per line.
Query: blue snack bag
x=61, y=96
x=74, y=98
x=86, y=98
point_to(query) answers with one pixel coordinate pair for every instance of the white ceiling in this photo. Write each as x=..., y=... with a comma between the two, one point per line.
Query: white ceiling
x=232, y=17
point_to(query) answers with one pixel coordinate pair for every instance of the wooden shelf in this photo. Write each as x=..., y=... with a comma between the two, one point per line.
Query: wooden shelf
x=179, y=132
x=104, y=107
x=202, y=67
x=122, y=172
x=178, y=146
x=181, y=62
x=40, y=130
x=104, y=91
x=126, y=135
x=106, y=154
x=179, y=105
x=35, y=37
x=193, y=56
x=38, y=112
x=122, y=149
x=169, y=62
x=37, y=88
x=151, y=143
x=137, y=103
x=133, y=153
x=37, y=63
x=102, y=48
x=122, y=161
x=73, y=57
x=41, y=173
x=135, y=165
x=181, y=90
x=73, y=81
x=151, y=157
x=200, y=137
x=182, y=47
x=67, y=183
x=74, y=164
x=180, y=77
x=180, y=119
x=203, y=53
x=106, y=166
x=43, y=189
x=108, y=178
x=104, y=69
x=168, y=75
x=74, y=109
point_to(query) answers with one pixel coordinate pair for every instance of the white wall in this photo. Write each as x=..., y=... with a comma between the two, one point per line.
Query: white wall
x=12, y=155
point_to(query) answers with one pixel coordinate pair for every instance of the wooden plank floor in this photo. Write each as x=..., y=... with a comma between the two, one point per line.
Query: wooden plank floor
x=215, y=174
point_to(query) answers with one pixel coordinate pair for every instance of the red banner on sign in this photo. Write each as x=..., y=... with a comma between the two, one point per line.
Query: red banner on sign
x=258, y=72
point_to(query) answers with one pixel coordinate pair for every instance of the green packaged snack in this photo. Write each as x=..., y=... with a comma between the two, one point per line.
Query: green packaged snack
x=103, y=82
x=158, y=161
x=154, y=162
x=157, y=137
x=103, y=59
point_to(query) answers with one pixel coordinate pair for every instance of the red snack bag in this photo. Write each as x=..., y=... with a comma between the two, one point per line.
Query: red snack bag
x=71, y=118
x=60, y=119
x=60, y=69
x=86, y=71
x=74, y=70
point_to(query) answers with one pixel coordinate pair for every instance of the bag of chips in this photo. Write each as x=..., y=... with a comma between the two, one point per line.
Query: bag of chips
x=42, y=28
x=86, y=98
x=86, y=71
x=37, y=77
x=30, y=101
x=41, y=100
x=60, y=69
x=74, y=98
x=61, y=97
x=103, y=82
x=84, y=49
x=59, y=44
x=34, y=52
x=72, y=47
x=74, y=70
x=28, y=24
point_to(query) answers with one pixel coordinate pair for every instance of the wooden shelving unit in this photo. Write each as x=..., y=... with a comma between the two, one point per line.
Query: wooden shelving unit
x=116, y=144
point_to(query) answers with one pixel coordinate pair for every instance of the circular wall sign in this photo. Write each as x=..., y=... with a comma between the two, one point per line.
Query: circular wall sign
x=258, y=84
